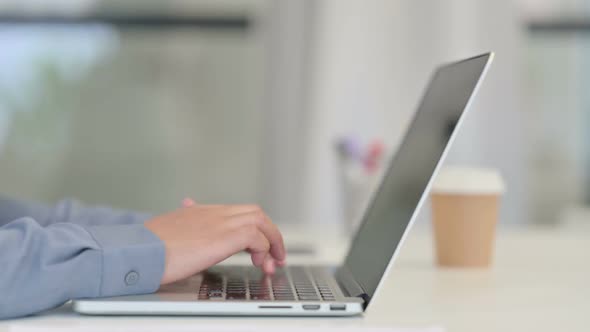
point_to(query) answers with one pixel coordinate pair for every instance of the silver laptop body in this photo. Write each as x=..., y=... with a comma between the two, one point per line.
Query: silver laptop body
x=347, y=289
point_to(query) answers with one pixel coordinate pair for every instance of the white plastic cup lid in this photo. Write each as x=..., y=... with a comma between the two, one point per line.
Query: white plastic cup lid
x=468, y=180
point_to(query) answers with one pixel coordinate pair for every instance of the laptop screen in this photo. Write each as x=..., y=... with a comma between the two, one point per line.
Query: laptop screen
x=411, y=169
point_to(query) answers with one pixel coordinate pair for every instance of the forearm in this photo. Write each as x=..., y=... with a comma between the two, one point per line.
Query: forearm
x=12, y=209
x=43, y=267
x=67, y=211
x=73, y=211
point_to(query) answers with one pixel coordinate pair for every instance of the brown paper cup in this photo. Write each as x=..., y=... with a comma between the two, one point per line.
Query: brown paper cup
x=465, y=204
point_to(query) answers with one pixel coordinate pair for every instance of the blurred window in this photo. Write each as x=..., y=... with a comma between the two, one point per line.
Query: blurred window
x=131, y=111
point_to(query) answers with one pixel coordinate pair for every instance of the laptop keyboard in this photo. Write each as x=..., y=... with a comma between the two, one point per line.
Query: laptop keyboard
x=249, y=283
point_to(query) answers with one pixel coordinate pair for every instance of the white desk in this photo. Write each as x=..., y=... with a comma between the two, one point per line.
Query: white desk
x=540, y=282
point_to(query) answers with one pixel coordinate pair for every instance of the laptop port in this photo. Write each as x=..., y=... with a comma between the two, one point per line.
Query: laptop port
x=337, y=307
x=311, y=307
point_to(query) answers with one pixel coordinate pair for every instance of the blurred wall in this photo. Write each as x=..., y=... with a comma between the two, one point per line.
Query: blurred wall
x=372, y=59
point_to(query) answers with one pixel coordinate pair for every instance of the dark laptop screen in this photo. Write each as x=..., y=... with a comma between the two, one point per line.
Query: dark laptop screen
x=391, y=210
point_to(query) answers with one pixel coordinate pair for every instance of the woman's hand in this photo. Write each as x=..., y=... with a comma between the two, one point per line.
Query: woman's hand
x=197, y=237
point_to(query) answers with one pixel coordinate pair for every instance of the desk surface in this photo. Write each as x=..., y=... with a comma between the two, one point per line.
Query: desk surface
x=540, y=281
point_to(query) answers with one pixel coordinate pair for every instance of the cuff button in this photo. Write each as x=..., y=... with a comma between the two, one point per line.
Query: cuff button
x=131, y=278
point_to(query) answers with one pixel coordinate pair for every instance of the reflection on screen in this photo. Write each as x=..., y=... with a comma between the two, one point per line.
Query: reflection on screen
x=390, y=212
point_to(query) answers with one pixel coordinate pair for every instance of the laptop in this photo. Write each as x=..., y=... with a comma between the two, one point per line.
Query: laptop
x=324, y=290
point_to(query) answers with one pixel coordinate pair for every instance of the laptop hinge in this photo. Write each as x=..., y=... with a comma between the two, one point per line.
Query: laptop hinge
x=350, y=286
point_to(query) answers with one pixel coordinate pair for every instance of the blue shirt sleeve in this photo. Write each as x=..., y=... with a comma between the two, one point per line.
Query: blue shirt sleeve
x=43, y=267
x=68, y=211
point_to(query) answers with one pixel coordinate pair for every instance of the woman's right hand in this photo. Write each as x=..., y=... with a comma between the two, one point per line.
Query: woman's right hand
x=197, y=237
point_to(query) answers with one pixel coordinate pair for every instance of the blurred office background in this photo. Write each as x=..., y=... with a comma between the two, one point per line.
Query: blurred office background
x=138, y=103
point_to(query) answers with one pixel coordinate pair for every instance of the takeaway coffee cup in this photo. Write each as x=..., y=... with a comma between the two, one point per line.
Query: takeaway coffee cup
x=465, y=203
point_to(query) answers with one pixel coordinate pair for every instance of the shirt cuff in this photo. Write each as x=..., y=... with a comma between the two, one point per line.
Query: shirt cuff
x=132, y=259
